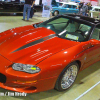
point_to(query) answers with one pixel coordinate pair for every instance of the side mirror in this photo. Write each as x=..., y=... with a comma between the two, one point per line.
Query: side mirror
x=94, y=42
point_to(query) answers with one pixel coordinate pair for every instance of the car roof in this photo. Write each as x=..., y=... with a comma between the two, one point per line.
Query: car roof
x=96, y=7
x=84, y=18
x=70, y=3
x=62, y=2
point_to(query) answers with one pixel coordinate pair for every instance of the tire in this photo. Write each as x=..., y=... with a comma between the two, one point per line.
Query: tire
x=67, y=77
x=56, y=13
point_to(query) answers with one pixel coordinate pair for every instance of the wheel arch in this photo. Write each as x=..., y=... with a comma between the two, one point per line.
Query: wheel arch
x=79, y=63
x=73, y=62
x=55, y=11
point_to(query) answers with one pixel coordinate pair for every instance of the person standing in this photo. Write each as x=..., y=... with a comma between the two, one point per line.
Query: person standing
x=85, y=10
x=27, y=7
x=80, y=7
x=32, y=10
x=89, y=8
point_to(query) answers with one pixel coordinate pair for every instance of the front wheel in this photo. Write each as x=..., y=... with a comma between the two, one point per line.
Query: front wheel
x=67, y=77
x=56, y=13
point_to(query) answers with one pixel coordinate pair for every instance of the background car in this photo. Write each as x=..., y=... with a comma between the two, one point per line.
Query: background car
x=56, y=4
x=61, y=3
x=65, y=8
x=15, y=6
x=95, y=12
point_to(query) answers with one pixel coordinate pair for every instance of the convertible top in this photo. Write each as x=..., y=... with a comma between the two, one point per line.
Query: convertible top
x=85, y=18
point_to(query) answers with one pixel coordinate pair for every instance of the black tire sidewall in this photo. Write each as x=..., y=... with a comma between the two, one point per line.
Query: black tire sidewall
x=58, y=83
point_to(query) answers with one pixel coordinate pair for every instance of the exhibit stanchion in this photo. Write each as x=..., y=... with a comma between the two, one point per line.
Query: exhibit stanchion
x=46, y=8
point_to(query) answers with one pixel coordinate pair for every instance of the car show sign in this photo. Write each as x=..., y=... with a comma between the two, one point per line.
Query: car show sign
x=46, y=8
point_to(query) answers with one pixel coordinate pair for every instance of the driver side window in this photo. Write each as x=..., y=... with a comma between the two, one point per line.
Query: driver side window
x=96, y=34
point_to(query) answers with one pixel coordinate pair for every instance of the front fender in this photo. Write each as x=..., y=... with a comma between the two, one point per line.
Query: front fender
x=53, y=65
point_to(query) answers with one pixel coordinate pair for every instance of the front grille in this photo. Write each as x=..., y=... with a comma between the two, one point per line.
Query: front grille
x=2, y=78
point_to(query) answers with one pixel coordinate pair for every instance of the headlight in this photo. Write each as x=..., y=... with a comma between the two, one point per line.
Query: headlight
x=26, y=68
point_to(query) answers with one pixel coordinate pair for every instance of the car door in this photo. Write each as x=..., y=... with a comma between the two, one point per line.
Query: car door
x=64, y=9
x=93, y=52
x=75, y=9
x=70, y=9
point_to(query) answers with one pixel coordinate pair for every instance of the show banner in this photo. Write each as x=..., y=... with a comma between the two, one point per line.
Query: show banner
x=93, y=2
x=46, y=8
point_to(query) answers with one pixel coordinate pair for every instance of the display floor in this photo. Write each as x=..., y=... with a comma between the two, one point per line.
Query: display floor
x=86, y=86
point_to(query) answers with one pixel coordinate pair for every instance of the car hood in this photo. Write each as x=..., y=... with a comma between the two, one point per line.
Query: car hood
x=31, y=45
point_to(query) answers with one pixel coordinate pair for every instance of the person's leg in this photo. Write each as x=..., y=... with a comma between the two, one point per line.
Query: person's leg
x=31, y=12
x=28, y=11
x=86, y=14
x=24, y=11
x=83, y=13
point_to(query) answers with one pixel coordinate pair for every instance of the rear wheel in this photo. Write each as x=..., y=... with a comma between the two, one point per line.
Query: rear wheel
x=56, y=13
x=67, y=77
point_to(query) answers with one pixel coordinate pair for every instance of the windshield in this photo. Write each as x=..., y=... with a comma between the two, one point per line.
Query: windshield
x=60, y=4
x=68, y=28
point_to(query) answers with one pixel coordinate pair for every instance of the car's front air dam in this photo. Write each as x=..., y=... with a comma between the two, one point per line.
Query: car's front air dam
x=41, y=85
x=21, y=81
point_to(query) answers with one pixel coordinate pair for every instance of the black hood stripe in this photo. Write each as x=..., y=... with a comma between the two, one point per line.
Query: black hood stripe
x=35, y=42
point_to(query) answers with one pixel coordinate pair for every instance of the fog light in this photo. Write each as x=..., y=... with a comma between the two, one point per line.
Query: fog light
x=26, y=81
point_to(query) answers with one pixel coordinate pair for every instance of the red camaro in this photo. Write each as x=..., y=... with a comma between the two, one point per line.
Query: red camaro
x=48, y=55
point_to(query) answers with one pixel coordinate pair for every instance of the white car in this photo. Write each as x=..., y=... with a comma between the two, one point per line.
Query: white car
x=95, y=12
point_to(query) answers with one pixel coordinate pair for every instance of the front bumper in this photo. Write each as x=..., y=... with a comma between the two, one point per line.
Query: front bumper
x=21, y=81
